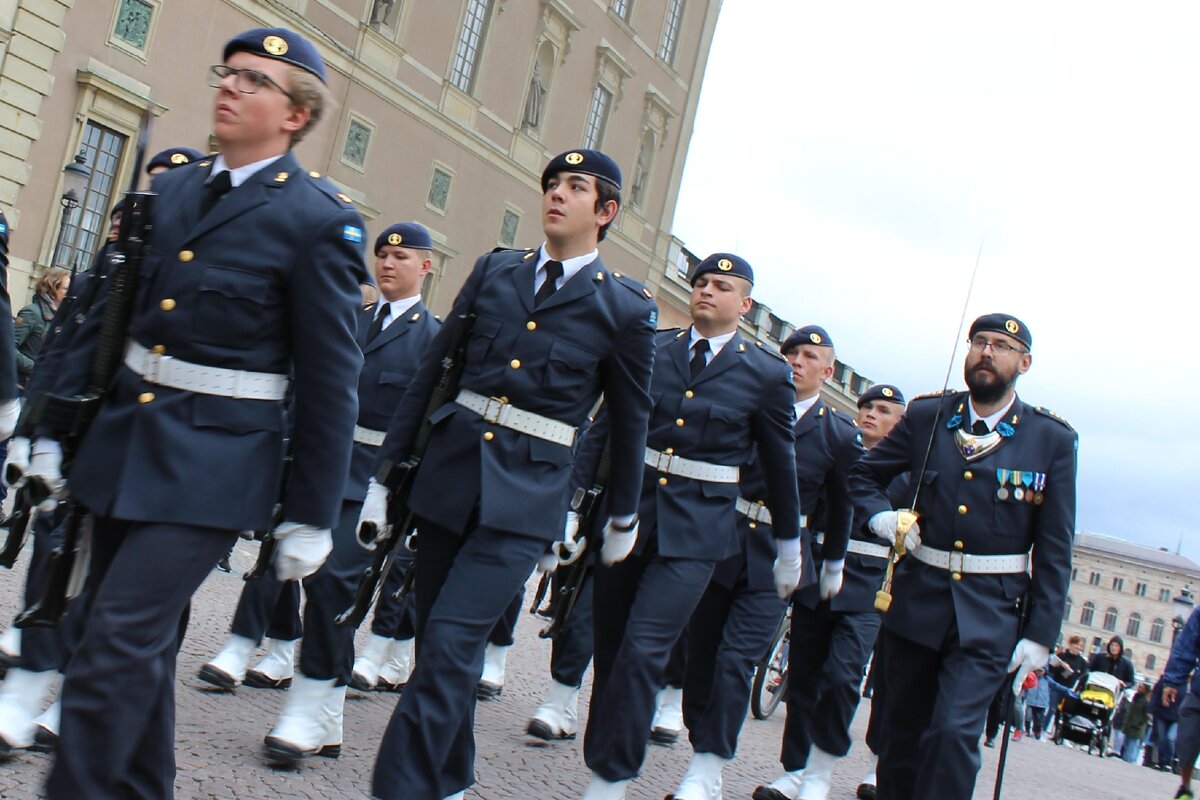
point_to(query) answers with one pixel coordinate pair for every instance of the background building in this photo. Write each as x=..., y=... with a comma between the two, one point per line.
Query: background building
x=1122, y=588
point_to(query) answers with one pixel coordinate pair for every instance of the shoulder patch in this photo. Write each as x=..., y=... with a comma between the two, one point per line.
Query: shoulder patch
x=1047, y=412
x=771, y=351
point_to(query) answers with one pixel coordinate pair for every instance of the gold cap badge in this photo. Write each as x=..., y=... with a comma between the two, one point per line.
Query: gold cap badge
x=1012, y=327
x=886, y=392
x=395, y=238
x=178, y=158
x=815, y=338
x=574, y=158
x=725, y=265
x=275, y=45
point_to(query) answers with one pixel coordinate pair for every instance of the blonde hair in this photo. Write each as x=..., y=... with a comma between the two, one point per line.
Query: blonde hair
x=51, y=280
x=307, y=91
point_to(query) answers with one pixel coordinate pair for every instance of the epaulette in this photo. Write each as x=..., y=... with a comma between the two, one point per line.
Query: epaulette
x=771, y=351
x=511, y=250
x=675, y=332
x=631, y=284
x=325, y=186
x=1047, y=412
x=439, y=319
x=370, y=305
x=940, y=393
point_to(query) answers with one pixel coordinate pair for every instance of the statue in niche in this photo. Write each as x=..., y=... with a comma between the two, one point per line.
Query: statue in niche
x=641, y=172
x=535, y=101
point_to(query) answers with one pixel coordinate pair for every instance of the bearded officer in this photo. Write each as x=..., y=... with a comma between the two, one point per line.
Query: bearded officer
x=983, y=590
x=251, y=272
x=718, y=398
x=550, y=331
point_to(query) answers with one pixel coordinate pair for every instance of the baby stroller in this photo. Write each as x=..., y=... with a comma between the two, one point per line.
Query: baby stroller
x=1086, y=718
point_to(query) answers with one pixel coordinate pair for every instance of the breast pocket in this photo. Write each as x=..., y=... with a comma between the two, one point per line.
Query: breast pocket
x=568, y=368
x=926, y=497
x=483, y=334
x=230, y=308
x=725, y=423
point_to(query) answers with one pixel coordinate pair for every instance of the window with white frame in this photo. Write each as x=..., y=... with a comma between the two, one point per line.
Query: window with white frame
x=470, y=44
x=102, y=149
x=670, y=38
x=597, y=119
x=622, y=8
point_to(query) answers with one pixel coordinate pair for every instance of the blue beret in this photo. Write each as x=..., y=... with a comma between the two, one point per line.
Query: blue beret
x=726, y=264
x=809, y=334
x=281, y=45
x=117, y=209
x=1003, y=323
x=174, y=157
x=405, y=234
x=881, y=391
x=585, y=162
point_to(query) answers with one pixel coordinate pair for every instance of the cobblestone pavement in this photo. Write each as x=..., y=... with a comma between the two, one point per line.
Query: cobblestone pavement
x=219, y=737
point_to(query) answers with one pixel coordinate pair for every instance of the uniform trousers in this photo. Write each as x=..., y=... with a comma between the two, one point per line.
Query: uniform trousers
x=874, y=736
x=465, y=583
x=328, y=649
x=395, y=619
x=936, y=705
x=641, y=606
x=826, y=654
x=270, y=607
x=118, y=698
x=571, y=650
x=677, y=662
x=729, y=632
x=42, y=648
x=502, y=632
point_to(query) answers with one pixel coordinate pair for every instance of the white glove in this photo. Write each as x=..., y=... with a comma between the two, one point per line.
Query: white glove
x=547, y=563
x=10, y=412
x=16, y=463
x=372, y=520
x=302, y=550
x=45, y=468
x=570, y=549
x=883, y=525
x=786, y=567
x=831, y=578
x=617, y=544
x=1027, y=656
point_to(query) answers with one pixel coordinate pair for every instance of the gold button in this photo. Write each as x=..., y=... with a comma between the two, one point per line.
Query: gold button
x=146, y=397
x=670, y=451
x=314, y=174
x=958, y=545
x=689, y=394
x=488, y=436
x=956, y=575
x=753, y=524
x=515, y=363
x=186, y=255
x=158, y=348
x=962, y=509
x=968, y=475
x=662, y=481
x=679, y=422
x=531, y=326
x=167, y=304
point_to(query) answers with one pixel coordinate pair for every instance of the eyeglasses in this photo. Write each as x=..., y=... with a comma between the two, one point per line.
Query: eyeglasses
x=246, y=81
x=980, y=343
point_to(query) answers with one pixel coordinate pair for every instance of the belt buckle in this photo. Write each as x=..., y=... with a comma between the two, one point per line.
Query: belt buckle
x=493, y=407
x=961, y=558
x=151, y=364
x=662, y=462
x=757, y=510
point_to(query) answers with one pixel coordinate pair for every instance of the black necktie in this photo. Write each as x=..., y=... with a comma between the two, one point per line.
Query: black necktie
x=699, y=351
x=554, y=271
x=214, y=190
x=979, y=428
x=377, y=323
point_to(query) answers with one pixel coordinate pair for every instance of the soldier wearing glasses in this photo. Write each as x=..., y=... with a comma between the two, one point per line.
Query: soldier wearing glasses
x=982, y=592
x=249, y=291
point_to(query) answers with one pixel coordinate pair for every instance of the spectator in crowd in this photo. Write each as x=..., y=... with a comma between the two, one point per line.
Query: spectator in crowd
x=1067, y=668
x=1113, y=661
x=34, y=319
x=1164, y=728
x=1137, y=722
x=1037, y=699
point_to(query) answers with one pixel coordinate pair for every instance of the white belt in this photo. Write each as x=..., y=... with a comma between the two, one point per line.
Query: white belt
x=687, y=468
x=860, y=547
x=177, y=374
x=501, y=412
x=755, y=512
x=367, y=436
x=955, y=561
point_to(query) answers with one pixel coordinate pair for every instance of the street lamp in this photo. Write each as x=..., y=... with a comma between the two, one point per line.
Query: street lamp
x=1182, y=606
x=75, y=180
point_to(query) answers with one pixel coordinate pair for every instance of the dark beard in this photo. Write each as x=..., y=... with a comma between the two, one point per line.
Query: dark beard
x=984, y=391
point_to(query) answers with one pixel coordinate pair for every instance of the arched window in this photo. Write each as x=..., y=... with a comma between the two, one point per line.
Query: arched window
x=1067, y=610
x=1134, y=626
x=1156, y=630
x=1088, y=613
x=1110, y=619
x=1151, y=661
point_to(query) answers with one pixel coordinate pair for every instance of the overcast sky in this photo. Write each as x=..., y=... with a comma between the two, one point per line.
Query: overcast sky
x=857, y=153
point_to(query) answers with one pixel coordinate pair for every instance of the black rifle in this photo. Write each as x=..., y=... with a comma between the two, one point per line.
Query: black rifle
x=18, y=523
x=66, y=565
x=268, y=543
x=585, y=503
x=398, y=478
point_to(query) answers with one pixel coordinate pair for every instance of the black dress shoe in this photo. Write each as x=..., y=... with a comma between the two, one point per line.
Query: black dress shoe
x=218, y=677
x=285, y=755
x=383, y=686
x=224, y=564
x=261, y=680
x=543, y=731
x=767, y=793
x=866, y=791
x=330, y=751
x=488, y=691
x=359, y=683
x=668, y=737
x=44, y=740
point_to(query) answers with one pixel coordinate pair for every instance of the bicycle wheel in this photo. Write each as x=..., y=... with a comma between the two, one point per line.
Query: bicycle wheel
x=770, y=674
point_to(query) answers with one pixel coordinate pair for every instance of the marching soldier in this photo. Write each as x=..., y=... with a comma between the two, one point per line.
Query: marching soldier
x=550, y=330
x=983, y=586
x=252, y=270
x=270, y=608
x=10, y=405
x=717, y=399
x=822, y=636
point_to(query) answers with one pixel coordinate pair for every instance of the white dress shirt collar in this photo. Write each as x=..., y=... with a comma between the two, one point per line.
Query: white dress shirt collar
x=991, y=419
x=802, y=406
x=570, y=266
x=241, y=174
x=715, y=343
x=395, y=309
